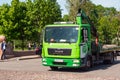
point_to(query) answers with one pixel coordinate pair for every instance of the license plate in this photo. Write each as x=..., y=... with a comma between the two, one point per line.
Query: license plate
x=58, y=60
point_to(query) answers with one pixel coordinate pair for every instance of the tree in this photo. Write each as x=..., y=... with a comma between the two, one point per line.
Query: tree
x=115, y=23
x=41, y=13
x=108, y=29
x=74, y=5
x=17, y=15
x=25, y=20
x=104, y=30
x=4, y=19
x=103, y=18
x=66, y=18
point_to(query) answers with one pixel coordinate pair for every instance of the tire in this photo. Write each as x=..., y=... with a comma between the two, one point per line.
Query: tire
x=110, y=61
x=118, y=53
x=54, y=68
x=88, y=65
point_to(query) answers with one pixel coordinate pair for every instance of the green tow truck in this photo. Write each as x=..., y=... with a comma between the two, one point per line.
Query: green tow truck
x=66, y=44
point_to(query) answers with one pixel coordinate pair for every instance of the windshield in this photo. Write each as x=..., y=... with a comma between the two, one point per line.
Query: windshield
x=61, y=34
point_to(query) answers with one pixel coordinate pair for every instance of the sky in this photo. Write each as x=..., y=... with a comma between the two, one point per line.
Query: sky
x=108, y=3
x=62, y=3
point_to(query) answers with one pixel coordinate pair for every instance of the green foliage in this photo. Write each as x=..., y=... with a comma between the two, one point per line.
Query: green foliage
x=25, y=20
x=105, y=30
x=66, y=18
x=41, y=13
x=4, y=18
x=106, y=20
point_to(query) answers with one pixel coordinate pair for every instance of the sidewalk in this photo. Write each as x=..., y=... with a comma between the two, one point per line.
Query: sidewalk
x=21, y=55
x=22, y=58
x=28, y=57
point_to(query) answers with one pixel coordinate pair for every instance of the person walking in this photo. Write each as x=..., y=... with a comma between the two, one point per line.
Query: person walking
x=29, y=46
x=34, y=45
x=2, y=47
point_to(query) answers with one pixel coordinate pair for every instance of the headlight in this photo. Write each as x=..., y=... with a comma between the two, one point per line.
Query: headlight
x=44, y=63
x=43, y=59
x=76, y=61
x=75, y=64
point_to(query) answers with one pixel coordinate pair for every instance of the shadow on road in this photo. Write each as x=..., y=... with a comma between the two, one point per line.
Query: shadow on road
x=96, y=67
x=104, y=66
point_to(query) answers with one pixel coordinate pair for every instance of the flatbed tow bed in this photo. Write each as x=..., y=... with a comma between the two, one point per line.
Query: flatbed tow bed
x=110, y=48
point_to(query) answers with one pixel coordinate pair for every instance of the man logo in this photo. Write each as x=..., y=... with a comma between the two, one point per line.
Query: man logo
x=58, y=51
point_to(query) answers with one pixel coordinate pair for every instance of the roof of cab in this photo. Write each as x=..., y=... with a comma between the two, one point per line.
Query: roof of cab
x=62, y=24
x=66, y=25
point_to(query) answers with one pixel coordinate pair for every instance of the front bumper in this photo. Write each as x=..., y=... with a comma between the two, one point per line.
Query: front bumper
x=61, y=62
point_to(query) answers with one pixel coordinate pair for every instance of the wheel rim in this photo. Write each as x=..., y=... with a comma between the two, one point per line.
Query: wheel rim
x=88, y=63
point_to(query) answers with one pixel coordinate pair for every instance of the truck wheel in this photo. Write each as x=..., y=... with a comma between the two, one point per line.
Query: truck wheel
x=54, y=68
x=118, y=53
x=88, y=65
x=110, y=61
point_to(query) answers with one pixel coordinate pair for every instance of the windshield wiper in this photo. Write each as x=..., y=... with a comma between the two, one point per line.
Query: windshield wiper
x=65, y=42
x=68, y=42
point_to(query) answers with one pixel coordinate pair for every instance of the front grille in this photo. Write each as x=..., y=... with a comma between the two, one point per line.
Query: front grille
x=59, y=63
x=54, y=51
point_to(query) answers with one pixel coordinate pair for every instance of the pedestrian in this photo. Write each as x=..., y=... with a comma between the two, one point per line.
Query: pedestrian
x=2, y=47
x=29, y=46
x=34, y=45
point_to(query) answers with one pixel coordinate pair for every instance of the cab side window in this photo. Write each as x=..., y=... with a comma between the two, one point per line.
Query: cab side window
x=84, y=35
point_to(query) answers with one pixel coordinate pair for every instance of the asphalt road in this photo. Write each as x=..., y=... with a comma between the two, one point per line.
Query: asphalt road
x=23, y=65
x=36, y=69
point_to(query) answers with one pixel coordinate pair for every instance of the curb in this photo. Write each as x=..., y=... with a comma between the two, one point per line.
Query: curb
x=24, y=58
x=29, y=57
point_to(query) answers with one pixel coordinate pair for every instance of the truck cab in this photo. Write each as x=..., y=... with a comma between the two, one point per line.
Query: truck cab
x=66, y=45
